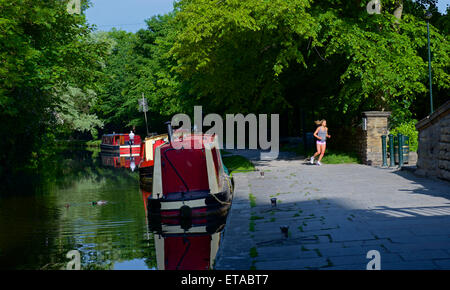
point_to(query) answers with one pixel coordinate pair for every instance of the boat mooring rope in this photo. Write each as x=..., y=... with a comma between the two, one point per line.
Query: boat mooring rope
x=217, y=199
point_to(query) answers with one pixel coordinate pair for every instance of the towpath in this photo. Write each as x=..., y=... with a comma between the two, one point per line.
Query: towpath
x=336, y=214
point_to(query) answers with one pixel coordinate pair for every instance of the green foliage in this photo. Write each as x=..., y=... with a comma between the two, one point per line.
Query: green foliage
x=386, y=67
x=42, y=47
x=336, y=157
x=332, y=156
x=138, y=64
x=157, y=78
x=233, y=52
x=94, y=143
x=328, y=58
x=73, y=110
x=408, y=129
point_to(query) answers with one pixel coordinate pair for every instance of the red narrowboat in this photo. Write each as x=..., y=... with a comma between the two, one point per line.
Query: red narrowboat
x=189, y=178
x=119, y=144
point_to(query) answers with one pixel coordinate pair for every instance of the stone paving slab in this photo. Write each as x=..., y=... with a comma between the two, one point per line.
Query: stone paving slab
x=335, y=215
x=293, y=264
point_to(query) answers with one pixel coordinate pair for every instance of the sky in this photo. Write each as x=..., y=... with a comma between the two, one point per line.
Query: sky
x=130, y=15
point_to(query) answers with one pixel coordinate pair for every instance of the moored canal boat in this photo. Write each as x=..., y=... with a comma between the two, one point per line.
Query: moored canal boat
x=120, y=144
x=147, y=154
x=189, y=178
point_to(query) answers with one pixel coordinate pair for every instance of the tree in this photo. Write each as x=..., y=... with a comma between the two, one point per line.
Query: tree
x=73, y=111
x=233, y=52
x=139, y=64
x=331, y=57
x=42, y=46
x=387, y=64
x=120, y=76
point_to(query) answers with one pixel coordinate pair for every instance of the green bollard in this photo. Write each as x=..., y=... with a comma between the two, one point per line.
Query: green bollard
x=400, y=150
x=383, y=146
x=391, y=150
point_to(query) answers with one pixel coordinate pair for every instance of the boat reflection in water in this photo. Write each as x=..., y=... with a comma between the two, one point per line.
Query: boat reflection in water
x=185, y=243
x=118, y=161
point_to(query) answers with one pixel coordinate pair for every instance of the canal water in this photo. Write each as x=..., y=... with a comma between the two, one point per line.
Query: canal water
x=39, y=227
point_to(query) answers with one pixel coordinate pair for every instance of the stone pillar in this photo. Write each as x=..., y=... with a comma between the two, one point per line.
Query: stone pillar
x=375, y=124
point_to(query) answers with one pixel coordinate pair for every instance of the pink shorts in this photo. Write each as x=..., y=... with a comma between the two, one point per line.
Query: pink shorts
x=321, y=142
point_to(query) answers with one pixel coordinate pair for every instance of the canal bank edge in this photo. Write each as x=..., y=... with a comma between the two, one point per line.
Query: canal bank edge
x=238, y=251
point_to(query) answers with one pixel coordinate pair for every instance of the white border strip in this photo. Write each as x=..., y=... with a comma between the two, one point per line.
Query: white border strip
x=175, y=205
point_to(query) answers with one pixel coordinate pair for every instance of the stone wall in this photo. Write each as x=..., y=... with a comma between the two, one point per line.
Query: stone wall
x=370, y=148
x=434, y=144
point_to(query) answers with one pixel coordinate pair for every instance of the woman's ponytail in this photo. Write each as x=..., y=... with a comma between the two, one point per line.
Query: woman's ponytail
x=319, y=122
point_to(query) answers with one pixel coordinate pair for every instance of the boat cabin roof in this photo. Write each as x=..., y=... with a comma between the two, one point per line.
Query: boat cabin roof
x=115, y=134
x=194, y=140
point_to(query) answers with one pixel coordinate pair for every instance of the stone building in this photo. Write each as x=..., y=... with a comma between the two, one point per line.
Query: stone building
x=434, y=144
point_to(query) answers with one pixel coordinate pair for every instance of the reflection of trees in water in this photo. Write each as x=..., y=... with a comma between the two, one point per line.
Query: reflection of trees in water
x=28, y=227
x=103, y=235
x=107, y=244
x=70, y=166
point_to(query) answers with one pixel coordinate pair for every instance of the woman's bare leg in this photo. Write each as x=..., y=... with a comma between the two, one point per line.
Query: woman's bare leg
x=322, y=151
x=318, y=150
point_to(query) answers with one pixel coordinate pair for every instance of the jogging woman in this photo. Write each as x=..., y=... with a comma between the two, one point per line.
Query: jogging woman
x=321, y=134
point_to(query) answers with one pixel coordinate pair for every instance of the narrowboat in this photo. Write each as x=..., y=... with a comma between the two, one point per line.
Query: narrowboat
x=119, y=144
x=189, y=179
x=147, y=154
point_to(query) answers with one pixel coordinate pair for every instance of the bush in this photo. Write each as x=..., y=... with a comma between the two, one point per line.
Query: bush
x=409, y=129
x=94, y=143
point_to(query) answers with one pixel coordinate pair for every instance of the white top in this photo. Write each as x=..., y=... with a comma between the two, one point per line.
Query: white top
x=131, y=135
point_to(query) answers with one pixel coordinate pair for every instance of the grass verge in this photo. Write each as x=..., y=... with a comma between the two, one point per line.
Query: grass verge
x=331, y=156
x=237, y=163
x=336, y=157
